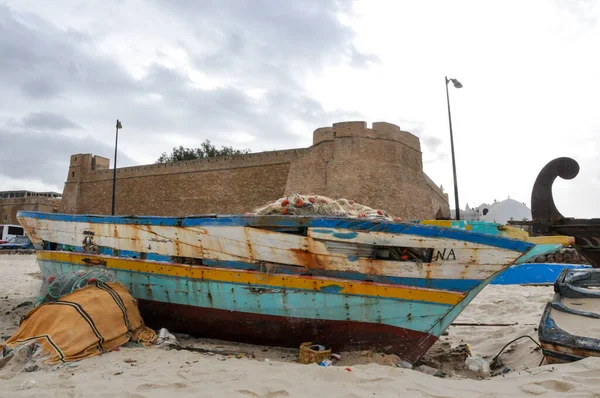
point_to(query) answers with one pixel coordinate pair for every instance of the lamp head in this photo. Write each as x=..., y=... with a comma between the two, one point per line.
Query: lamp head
x=456, y=83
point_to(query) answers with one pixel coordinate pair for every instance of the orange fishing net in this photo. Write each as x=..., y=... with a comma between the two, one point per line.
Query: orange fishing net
x=313, y=205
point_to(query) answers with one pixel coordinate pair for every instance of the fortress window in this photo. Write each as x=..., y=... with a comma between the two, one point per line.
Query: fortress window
x=72, y=174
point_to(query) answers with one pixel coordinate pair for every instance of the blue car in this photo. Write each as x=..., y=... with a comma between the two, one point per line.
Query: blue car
x=18, y=242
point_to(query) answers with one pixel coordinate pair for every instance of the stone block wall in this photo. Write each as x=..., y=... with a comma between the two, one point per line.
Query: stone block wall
x=380, y=167
x=10, y=207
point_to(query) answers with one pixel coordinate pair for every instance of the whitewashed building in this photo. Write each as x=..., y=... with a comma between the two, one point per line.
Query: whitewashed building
x=500, y=212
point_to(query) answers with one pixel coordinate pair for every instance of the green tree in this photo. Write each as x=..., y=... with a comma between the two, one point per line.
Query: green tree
x=206, y=150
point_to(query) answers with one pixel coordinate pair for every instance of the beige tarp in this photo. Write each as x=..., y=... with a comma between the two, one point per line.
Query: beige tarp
x=87, y=322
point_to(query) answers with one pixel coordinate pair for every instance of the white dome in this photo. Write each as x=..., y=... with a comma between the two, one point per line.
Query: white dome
x=508, y=209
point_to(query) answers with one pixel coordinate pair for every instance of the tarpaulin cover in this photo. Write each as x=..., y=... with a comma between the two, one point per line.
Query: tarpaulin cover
x=92, y=320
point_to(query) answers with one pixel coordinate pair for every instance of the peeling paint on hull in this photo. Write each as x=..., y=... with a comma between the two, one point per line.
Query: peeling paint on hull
x=283, y=280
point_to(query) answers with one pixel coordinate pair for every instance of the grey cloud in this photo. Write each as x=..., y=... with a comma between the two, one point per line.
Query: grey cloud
x=438, y=157
x=207, y=112
x=268, y=39
x=39, y=88
x=362, y=60
x=45, y=61
x=432, y=142
x=47, y=156
x=48, y=121
x=415, y=127
x=267, y=45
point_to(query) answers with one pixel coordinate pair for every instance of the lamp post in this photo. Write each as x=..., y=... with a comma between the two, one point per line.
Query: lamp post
x=118, y=126
x=456, y=84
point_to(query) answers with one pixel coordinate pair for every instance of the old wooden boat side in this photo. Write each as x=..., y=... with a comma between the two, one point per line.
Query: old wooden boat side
x=280, y=280
x=570, y=324
x=533, y=273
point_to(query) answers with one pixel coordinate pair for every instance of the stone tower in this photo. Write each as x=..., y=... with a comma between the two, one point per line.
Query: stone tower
x=81, y=168
x=381, y=167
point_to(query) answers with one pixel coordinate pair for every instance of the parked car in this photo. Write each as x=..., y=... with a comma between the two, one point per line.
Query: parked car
x=18, y=242
x=8, y=231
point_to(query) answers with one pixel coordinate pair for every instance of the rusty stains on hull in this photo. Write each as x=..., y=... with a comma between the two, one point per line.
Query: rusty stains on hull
x=306, y=258
x=94, y=261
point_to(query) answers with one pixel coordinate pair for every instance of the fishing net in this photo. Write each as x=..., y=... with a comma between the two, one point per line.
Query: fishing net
x=318, y=205
x=56, y=286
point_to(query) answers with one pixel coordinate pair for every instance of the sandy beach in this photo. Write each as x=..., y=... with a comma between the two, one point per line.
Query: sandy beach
x=273, y=372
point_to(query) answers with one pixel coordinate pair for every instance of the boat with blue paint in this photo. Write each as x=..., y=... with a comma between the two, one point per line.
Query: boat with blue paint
x=534, y=273
x=570, y=326
x=283, y=280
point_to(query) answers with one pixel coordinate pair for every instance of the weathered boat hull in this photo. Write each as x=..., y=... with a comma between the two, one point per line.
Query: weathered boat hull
x=558, y=346
x=284, y=280
x=571, y=304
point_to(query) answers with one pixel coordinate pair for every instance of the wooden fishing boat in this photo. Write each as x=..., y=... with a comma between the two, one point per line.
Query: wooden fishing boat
x=283, y=280
x=547, y=220
x=570, y=326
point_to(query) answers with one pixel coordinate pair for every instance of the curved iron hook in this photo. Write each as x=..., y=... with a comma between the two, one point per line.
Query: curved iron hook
x=542, y=201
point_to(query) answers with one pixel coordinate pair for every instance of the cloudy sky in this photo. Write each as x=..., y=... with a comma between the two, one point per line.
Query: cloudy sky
x=263, y=74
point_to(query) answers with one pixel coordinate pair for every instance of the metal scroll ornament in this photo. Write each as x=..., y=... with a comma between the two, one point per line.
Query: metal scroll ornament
x=547, y=220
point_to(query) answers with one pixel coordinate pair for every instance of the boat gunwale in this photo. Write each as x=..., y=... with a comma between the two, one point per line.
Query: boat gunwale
x=359, y=225
x=567, y=283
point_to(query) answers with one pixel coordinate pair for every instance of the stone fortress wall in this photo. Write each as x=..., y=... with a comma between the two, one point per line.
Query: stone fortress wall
x=380, y=167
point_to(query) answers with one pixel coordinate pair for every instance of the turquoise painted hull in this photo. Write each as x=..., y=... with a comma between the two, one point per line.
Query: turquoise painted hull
x=272, y=300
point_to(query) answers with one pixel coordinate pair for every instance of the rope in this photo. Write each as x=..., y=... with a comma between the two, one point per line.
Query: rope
x=518, y=338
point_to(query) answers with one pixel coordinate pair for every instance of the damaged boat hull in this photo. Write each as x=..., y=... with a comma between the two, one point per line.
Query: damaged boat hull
x=575, y=305
x=285, y=280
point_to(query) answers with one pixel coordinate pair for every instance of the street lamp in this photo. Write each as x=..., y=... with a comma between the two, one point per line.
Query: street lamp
x=456, y=84
x=118, y=126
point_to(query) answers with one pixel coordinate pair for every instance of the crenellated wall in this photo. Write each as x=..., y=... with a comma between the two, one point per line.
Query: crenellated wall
x=379, y=166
